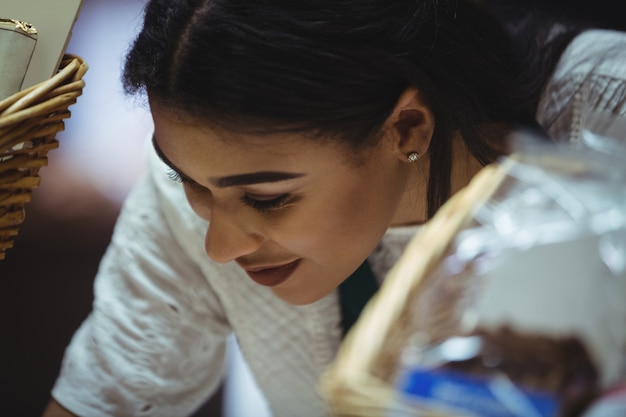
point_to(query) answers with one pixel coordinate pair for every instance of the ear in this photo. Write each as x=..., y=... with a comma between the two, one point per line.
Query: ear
x=411, y=124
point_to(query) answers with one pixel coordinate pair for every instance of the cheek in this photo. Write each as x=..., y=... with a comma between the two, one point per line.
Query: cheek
x=345, y=222
x=367, y=205
x=358, y=213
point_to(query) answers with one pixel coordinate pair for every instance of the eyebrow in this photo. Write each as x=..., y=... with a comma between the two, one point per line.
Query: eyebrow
x=253, y=178
x=232, y=180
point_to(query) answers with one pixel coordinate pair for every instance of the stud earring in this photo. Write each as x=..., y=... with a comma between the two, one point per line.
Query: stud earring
x=412, y=156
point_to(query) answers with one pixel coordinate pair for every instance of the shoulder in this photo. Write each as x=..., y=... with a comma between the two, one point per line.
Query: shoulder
x=157, y=225
x=590, y=77
x=166, y=200
x=598, y=52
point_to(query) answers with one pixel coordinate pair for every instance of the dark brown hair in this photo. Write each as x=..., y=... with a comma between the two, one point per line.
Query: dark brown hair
x=335, y=68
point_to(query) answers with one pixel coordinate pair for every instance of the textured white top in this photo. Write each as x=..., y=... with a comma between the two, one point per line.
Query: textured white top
x=154, y=343
x=590, y=78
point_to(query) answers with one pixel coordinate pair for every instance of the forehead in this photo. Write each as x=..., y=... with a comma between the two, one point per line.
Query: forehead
x=177, y=134
x=173, y=128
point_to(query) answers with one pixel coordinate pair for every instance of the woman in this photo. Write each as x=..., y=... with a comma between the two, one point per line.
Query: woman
x=311, y=138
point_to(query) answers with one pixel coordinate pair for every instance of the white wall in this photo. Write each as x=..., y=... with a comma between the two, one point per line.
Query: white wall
x=105, y=137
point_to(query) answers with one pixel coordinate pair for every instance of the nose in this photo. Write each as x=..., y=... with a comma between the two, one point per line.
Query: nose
x=230, y=237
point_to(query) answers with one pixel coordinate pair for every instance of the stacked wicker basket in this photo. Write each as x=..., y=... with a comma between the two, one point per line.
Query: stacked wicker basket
x=29, y=122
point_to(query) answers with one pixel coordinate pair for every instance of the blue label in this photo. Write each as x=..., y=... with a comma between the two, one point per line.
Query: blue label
x=484, y=397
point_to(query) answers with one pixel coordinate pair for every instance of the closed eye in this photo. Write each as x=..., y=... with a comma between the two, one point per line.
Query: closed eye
x=259, y=204
x=265, y=205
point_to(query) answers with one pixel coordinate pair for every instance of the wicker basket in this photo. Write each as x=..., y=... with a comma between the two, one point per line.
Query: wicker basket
x=357, y=383
x=29, y=122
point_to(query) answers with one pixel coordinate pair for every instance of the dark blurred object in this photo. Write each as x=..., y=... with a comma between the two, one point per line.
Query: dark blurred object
x=541, y=29
x=605, y=14
x=46, y=281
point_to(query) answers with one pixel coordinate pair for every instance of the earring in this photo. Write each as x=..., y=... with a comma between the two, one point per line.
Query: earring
x=412, y=156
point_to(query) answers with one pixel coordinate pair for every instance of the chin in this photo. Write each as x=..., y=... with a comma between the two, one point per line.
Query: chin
x=299, y=297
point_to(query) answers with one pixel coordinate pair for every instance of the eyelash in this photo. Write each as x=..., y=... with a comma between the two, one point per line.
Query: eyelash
x=175, y=176
x=265, y=205
x=259, y=205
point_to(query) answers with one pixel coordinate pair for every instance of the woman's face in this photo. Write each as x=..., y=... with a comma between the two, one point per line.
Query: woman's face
x=297, y=214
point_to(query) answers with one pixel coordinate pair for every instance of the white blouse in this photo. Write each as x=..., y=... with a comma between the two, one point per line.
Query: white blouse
x=155, y=341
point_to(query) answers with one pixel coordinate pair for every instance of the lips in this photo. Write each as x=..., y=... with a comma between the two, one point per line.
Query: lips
x=272, y=275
